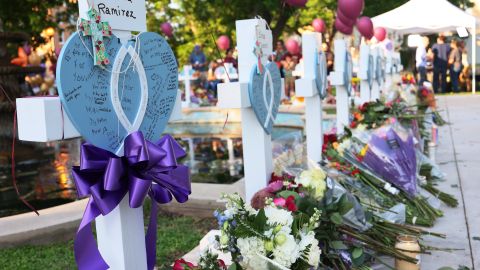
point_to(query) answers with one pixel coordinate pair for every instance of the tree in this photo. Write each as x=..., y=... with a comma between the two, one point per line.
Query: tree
x=32, y=16
x=202, y=21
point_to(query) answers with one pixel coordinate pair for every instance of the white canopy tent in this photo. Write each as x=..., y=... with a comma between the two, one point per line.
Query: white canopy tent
x=429, y=16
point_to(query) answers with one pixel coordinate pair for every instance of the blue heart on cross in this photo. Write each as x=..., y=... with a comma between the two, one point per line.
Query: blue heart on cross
x=264, y=91
x=348, y=73
x=370, y=69
x=136, y=91
x=321, y=80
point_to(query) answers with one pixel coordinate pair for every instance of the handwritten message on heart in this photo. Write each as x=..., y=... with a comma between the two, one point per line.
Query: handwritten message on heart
x=135, y=91
x=264, y=92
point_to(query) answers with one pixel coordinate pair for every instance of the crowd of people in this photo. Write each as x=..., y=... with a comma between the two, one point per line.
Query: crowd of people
x=443, y=64
x=208, y=74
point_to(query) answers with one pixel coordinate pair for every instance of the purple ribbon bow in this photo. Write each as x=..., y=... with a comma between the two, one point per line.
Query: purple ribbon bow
x=145, y=169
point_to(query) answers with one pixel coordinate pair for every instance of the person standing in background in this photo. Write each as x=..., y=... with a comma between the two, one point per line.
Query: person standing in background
x=421, y=60
x=455, y=63
x=441, y=52
x=230, y=59
x=288, y=67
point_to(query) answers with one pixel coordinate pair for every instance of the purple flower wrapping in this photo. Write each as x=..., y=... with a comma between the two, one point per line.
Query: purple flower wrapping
x=393, y=158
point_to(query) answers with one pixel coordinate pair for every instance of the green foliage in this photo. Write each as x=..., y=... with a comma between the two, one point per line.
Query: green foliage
x=176, y=236
x=32, y=16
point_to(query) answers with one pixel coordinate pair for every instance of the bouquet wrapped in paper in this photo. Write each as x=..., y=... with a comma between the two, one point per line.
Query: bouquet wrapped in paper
x=390, y=153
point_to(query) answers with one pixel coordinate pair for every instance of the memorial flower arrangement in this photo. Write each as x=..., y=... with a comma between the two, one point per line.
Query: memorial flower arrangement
x=269, y=237
x=348, y=234
x=383, y=165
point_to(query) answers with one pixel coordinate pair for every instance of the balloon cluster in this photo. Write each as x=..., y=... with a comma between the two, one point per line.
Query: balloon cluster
x=348, y=13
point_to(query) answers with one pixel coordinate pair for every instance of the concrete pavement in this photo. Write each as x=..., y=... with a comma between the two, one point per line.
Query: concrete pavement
x=458, y=154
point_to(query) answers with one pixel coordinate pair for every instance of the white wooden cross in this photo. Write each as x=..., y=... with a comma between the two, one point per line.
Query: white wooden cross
x=257, y=145
x=120, y=234
x=375, y=93
x=365, y=73
x=337, y=78
x=306, y=87
x=389, y=69
x=186, y=77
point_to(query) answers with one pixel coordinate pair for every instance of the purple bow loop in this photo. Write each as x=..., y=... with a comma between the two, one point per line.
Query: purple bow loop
x=147, y=169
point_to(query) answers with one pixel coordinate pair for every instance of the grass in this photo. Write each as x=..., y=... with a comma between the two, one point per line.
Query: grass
x=176, y=236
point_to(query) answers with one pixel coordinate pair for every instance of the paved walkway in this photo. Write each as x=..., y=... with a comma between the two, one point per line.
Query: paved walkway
x=458, y=155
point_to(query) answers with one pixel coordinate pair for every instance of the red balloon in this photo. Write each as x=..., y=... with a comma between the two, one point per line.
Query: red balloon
x=167, y=29
x=223, y=42
x=345, y=29
x=351, y=8
x=365, y=27
x=292, y=46
x=380, y=33
x=296, y=3
x=345, y=19
x=319, y=25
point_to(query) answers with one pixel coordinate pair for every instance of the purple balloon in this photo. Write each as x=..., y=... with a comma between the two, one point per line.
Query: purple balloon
x=345, y=29
x=365, y=27
x=27, y=48
x=167, y=29
x=345, y=19
x=223, y=42
x=351, y=8
x=319, y=25
x=296, y=3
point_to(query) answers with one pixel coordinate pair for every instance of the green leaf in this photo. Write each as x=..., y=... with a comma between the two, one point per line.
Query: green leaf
x=336, y=218
x=233, y=266
x=358, y=261
x=344, y=205
x=338, y=245
x=357, y=252
x=260, y=220
x=287, y=193
x=446, y=268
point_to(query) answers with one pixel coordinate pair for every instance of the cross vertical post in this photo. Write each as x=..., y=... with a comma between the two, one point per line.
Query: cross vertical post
x=340, y=81
x=365, y=73
x=375, y=93
x=186, y=77
x=307, y=88
x=257, y=145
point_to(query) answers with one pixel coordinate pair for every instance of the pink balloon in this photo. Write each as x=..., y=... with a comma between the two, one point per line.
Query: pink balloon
x=223, y=42
x=380, y=33
x=292, y=46
x=167, y=29
x=345, y=19
x=296, y=3
x=319, y=25
x=351, y=8
x=365, y=27
x=345, y=29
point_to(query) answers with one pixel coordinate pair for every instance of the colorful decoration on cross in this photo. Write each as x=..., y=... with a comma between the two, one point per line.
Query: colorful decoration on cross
x=257, y=50
x=97, y=30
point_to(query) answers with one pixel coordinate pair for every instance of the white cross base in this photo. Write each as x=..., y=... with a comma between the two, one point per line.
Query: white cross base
x=375, y=94
x=307, y=88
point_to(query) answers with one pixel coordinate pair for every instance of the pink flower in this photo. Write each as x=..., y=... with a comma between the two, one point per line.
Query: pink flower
x=281, y=202
x=275, y=186
x=288, y=203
